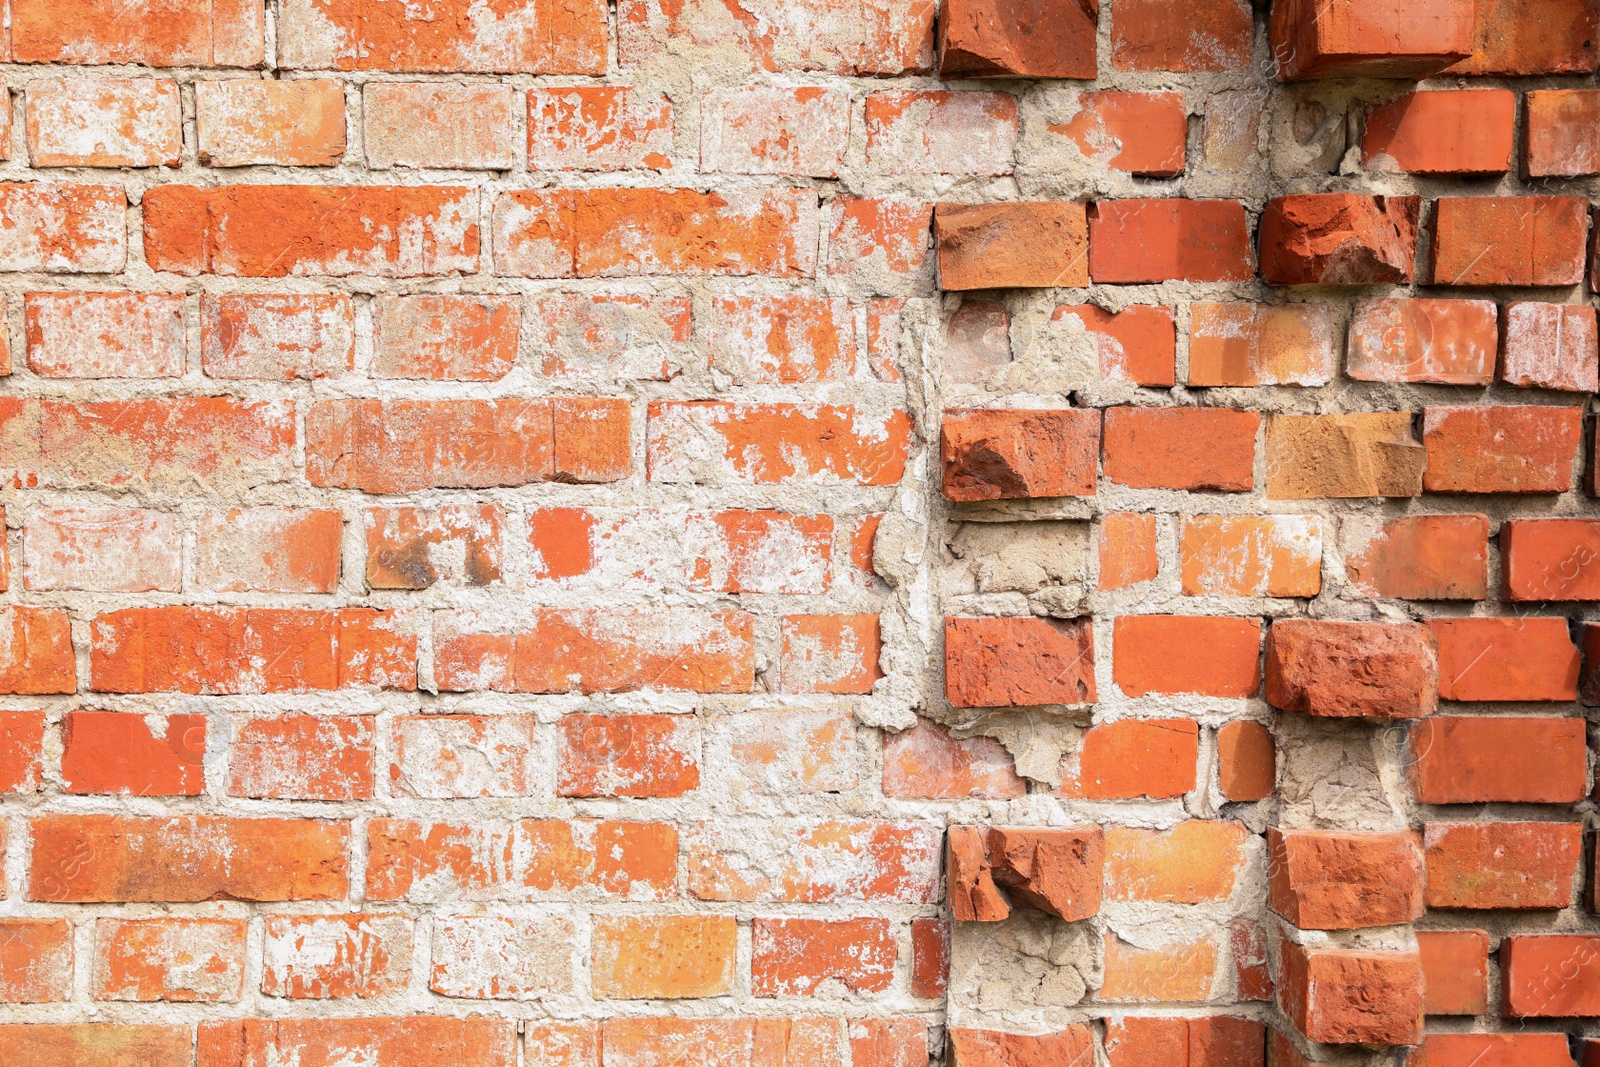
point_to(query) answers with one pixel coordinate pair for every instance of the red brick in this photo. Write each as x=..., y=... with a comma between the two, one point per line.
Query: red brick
x=1133, y=758
x=1197, y=861
x=1551, y=346
x=772, y=443
x=456, y=127
x=179, y=960
x=597, y=128
x=1246, y=761
x=1181, y=448
x=21, y=751
x=926, y=763
x=1419, y=557
x=1187, y=36
x=1250, y=555
x=110, y=858
x=1547, y=37
x=301, y=757
x=628, y=755
x=1260, y=344
x=1330, y=880
x=1399, y=339
x=1181, y=970
x=663, y=957
x=759, y=552
x=428, y=861
x=35, y=962
x=125, y=550
x=815, y=861
x=270, y=231
x=600, y=652
x=1471, y=760
x=562, y=541
x=413, y=1041
x=1366, y=454
x=655, y=1041
x=249, y=650
x=1335, y=669
x=245, y=122
x=1498, y=1050
x=620, y=233
x=503, y=957
x=457, y=338
x=187, y=33
x=1212, y=656
x=1509, y=240
x=829, y=654
x=918, y=131
x=399, y=446
x=414, y=548
x=616, y=336
x=104, y=122
x=888, y=1042
x=1137, y=344
x=1549, y=559
x=38, y=656
x=794, y=957
x=886, y=244
x=520, y=37
x=1455, y=971
x=1207, y=1041
x=72, y=229
x=1252, y=971
x=1339, y=239
x=1500, y=448
x=271, y=336
x=1461, y=131
x=1168, y=239
x=763, y=130
x=1141, y=133
x=1486, y=865
x=833, y=36
x=1341, y=996
x=1317, y=40
x=1506, y=659
x=1551, y=975
x=273, y=550
x=783, y=340
x=323, y=956
x=100, y=1044
x=991, y=454
x=987, y=38
x=1039, y=244
x=994, y=663
x=127, y=753
x=1563, y=133
x=628, y=860
x=930, y=957
x=1127, y=549
x=1058, y=871
x=991, y=1048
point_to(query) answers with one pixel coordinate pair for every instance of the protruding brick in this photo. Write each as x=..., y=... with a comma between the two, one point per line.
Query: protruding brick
x=1041, y=244
x=1339, y=238
x=1213, y=656
x=1500, y=448
x=270, y=550
x=1551, y=346
x=1250, y=555
x=1181, y=448
x=1130, y=759
x=917, y=131
x=1168, y=239
x=189, y=33
x=1453, y=131
x=1461, y=759
x=991, y=663
x=104, y=122
x=1260, y=344
x=988, y=39
x=1552, y=37
x=271, y=336
x=1509, y=240
x=792, y=957
x=998, y=454
x=969, y=879
x=446, y=126
x=1550, y=559
x=1420, y=557
x=1183, y=36
x=771, y=130
x=1369, y=670
x=1316, y=40
x=1059, y=871
x=599, y=127
x=773, y=443
x=1344, y=996
x=293, y=122
x=1551, y=975
x=1400, y=339
x=1246, y=761
x=1141, y=133
x=1563, y=133
x=1367, y=454
x=71, y=229
x=180, y=960
x=1330, y=880
x=1137, y=344
x=1506, y=659
x=1483, y=865
x=1455, y=971
x=124, y=753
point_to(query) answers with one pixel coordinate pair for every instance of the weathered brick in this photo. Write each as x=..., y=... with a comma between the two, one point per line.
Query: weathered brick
x=1168, y=239
x=1551, y=346
x=1485, y=865
x=600, y=127
x=119, y=550
x=296, y=756
x=930, y=957
x=1421, y=557
x=413, y=1041
x=316, y=957
x=913, y=131
x=1563, y=139
x=414, y=548
x=1352, y=669
x=443, y=756
x=1018, y=662
x=990, y=454
x=105, y=335
x=1500, y=448
x=253, y=335
x=829, y=654
x=1137, y=344
x=503, y=957
x=1331, y=880
x=104, y=122
x=37, y=653
x=833, y=36
x=1247, y=555
x=1367, y=454
x=102, y=1044
x=35, y=962
x=993, y=1048
x=793, y=957
x=244, y=122
x=759, y=130
x=1134, y=758
x=451, y=127
x=458, y=338
x=1181, y=448
x=1460, y=131
x=815, y=861
x=1214, y=656
x=1260, y=344
x=1506, y=659
x=795, y=751
x=759, y=552
x=616, y=336
x=783, y=339
x=1127, y=549
x=169, y=959
x=185, y=33
x=1451, y=342
x=1206, y=1041
x=772, y=443
x=1141, y=133
x=125, y=753
x=1339, y=239
x=21, y=751
x=273, y=550
x=1313, y=40
x=883, y=243
x=627, y=755
x=926, y=763
x=1039, y=244
x=1509, y=240
x=72, y=229
x=1185, y=36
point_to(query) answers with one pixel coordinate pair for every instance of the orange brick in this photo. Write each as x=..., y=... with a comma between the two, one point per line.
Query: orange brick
x=1341, y=996
x=103, y=1044
x=1141, y=133
x=1072, y=1044
x=773, y=443
x=35, y=961
x=665, y=957
x=21, y=751
x=1500, y=448
x=447, y=126
x=1563, y=140
x=1462, y=131
x=602, y=127
x=1506, y=659
x=930, y=957
x=254, y=335
x=1207, y=1041
x=1331, y=880
x=1171, y=973
x=294, y=122
x=1245, y=555
x=1137, y=344
x=888, y=1042
x=913, y=131
x=1550, y=346
x=1031, y=245
x=1553, y=37
x=414, y=548
x=1501, y=1050
x=793, y=957
x=1169, y=239
x=628, y=860
x=74, y=229
x=1461, y=759
x=1551, y=975
x=883, y=242
x=1421, y=557
x=169, y=959
x=271, y=550
x=38, y=657
x=142, y=755
x=987, y=38
x=1181, y=448
x=413, y=1041
x=1212, y=656
x=1450, y=342
x=186, y=33
x=1133, y=758
x=1487, y=865
x=926, y=763
x=104, y=122
x=1246, y=761
x=999, y=663
x=1509, y=240
x=1314, y=41
x=1192, y=863
x=998, y=454
x=302, y=757
x=1260, y=344
x=1455, y=971
x=316, y=957
x=1339, y=239
x=455, y=338
x=1181, y=35
x=829, y=654
x=783, y=340
x=1127, y=547
x=1549, y=559
x=628, y=755
x=1366, y=454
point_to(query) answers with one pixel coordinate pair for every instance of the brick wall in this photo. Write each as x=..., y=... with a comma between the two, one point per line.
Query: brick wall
x=798, y=533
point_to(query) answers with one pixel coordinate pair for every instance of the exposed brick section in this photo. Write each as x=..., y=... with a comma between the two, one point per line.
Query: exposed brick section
x=994, y=455
x=1501, y=864
x=1345, y=996
x=983, y=38
x=294, y=123
x=1259, y=344
x=1450, y=132
x=1311, y=41
x=1327, y=880
x=1455, y=971
x=1428, y=557
x=1470, y=450
x=1339, y=239
x=994, y=246
x=1352, y=669
x=1011, y=662
x=1133, y=241
x=1450, y=342
x=1505, y=240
